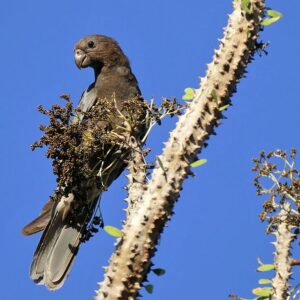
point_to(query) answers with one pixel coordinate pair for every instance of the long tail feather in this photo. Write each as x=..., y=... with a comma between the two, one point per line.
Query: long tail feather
x=62, y=257
x=45, y=247
x=59, y=244
x=40, y=223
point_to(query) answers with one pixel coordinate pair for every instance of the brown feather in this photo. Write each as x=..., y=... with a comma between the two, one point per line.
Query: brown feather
x=40, y=223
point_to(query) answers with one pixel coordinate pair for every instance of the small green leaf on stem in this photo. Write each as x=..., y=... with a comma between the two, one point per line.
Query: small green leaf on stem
x=274, y=13
x=160, y=163
x=113, y=231
x=223, y=107
x=265, y=268
x=149, y=288
x=246, y=6
x=159, y=271
x=189, y=94
x=263, y=292
x=274, y=17
x=265, y=281
x=198, y=163
x=269, y=21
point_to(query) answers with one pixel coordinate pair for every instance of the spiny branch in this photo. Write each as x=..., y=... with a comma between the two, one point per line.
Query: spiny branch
x=130, y=262
x=278, y=180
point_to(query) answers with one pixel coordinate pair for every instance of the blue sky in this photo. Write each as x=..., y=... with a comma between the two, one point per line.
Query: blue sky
x=209, y=248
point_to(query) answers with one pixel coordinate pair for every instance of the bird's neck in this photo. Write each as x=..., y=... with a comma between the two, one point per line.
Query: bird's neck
x=117, y=80
x=97, y=72
x=112, y=75
x=108, y=70
x=111, y=67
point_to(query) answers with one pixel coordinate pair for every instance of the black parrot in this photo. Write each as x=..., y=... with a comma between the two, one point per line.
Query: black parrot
x=60, y=241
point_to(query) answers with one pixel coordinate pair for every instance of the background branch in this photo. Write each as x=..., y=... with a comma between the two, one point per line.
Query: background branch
x=282, y=259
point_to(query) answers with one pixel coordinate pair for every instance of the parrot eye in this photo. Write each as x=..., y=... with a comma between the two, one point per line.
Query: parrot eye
x=91, y=44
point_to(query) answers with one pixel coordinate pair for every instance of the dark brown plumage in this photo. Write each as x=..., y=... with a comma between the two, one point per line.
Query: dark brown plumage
x=114, y=81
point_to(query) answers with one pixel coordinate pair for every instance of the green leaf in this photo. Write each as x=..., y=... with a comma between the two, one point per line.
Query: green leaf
x=245, y=6
x=275, y=16
x=189, y=94
x=265, y=268
x=149, y=288
x=274, y=13
x=198, y=163
x=113, y=231
x=160, y=163
x=263, y=292
x=265, y=281
x=223, y=107
x=269, y=21
x=159, y=271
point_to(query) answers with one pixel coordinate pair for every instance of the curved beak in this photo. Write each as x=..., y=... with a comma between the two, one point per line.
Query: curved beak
x=80, y=57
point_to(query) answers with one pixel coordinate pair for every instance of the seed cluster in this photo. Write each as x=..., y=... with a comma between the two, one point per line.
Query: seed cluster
x=278, y=180
x=95, y=150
